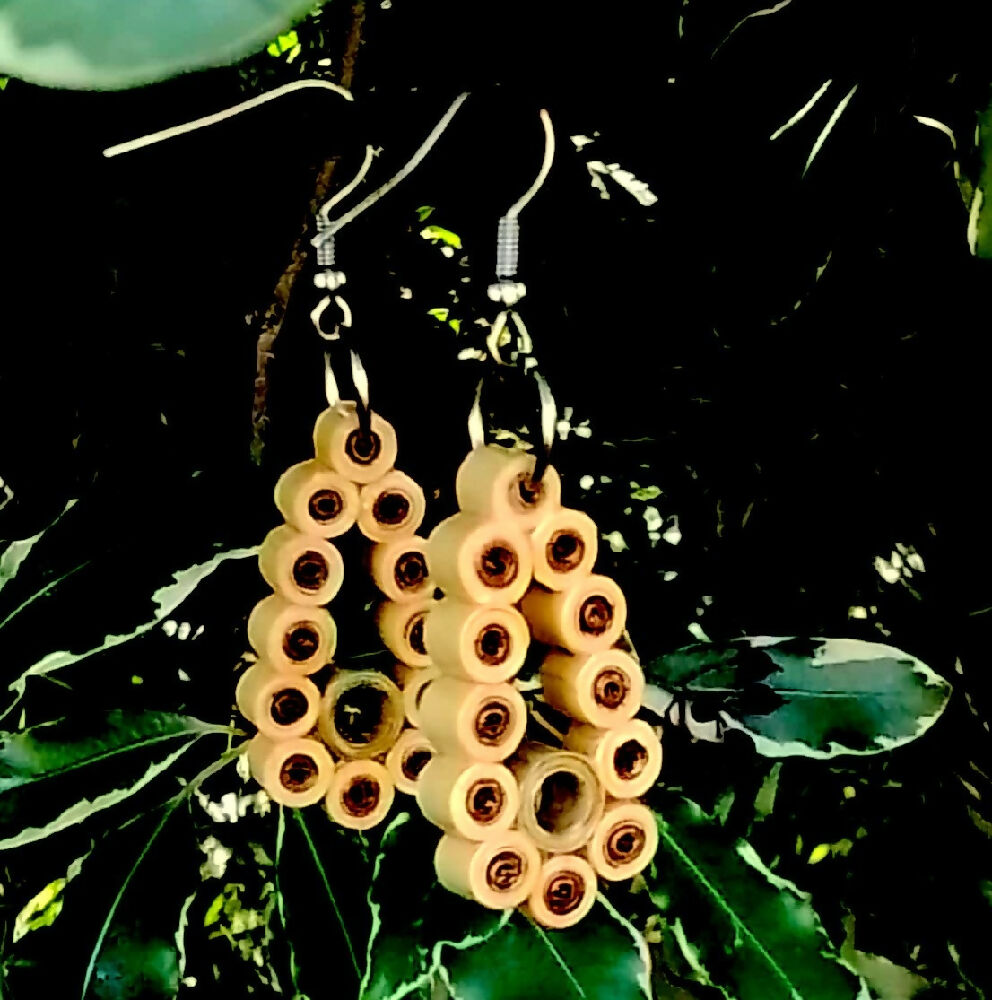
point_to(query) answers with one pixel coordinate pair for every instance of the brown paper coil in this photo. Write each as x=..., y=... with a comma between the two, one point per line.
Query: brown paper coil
x=316, y=500
x=293, y=637
x=485, y=643
x=565, y=891
x=402, y=629
x=412, y=681
x=391, y=507
x=498, y=873
x=565, y=545
x=561, y=797
x=495, y=482
x=588, y=617
x=360, y=794
x=360, y=714
x=293, y=772
x=603, y=689
x=340, y=444
x=399, y=569
x=475, y=721
x=281, y=705
x=627, y=758
x=480, y=561
x=624, y=841
x=472, y=799
x=407, y=759
x=301, y=568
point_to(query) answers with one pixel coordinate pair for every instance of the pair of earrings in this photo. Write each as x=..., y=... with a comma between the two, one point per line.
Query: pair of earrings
x=504, y=583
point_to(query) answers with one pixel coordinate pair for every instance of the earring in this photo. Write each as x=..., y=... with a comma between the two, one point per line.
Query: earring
x=320, y=742
x=525, y=822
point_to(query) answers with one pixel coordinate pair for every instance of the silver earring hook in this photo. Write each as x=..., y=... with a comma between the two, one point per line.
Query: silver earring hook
x=207, y=120
x=506, y=289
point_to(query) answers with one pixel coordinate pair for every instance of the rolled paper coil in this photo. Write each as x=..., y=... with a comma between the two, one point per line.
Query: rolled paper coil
x=399, y=569
x=360, y=794
x=407, y=760
x=565, y=545
x=588, y=617
x=412, y=681
x=301, y=568
x=564, y=893
x=561, y=797
x=486, y=643
x=391, y=507
x=624, y=841
x=294, y=772
x=627, y=758
x=341, y=444
x=480, y=561
x=496, y=482
x=281, y=705
x=298, y=638
x=498, y=873
x=402, y=629
x=472, y=799
x=360, y=714
x=603, y=689
x=316, y=500
x=475, y=721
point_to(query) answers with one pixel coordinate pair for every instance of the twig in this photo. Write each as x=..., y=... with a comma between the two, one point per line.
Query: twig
x=275, y=314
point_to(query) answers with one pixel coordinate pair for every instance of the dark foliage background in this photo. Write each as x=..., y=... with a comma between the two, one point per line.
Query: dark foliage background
x=798, y=426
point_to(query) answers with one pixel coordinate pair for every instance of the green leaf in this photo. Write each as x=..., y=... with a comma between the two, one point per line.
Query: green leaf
x=810, y=697
x=112, y=44
x=424, y=212
x=41, y=910
x=289, y=41
x=414, y=920
x=439, y=234
x=59, y=774
x=19, y=549
x=980, y=215
x=743, y=929
x=164, y=600
x=601, y=958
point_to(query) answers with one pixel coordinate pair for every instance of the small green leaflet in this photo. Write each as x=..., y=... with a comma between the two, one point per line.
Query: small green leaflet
x=438, y=234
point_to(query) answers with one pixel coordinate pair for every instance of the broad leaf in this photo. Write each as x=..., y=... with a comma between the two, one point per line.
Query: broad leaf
x=601, y=958
x=810, y=697
x=60, y=774
x=413, y=918
x=18, y=550
x=164, y=601
x=111, y=44
x=740, y=927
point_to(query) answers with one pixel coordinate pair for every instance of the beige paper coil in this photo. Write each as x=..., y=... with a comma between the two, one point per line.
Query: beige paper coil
x=627, y=758
x=603, y=689
x=301, y=568
x=316, y=500
x=473, y=799
x=360, y=794
x=565, y=545
x=561, y=797
x=281, y=705
x=495, y=482
x=588, y=617
x=399, y=569
x=299, y=638
x=480, y=561
x=407, y=758
x=339, y=444
x=498, y=873
x=391, y=507
x=565, y=891
x=624, y=841
x=401, y=627
x=486, y=643
x=475, y=721
x=294, y=772
x=412, y=681
x=360, y=714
